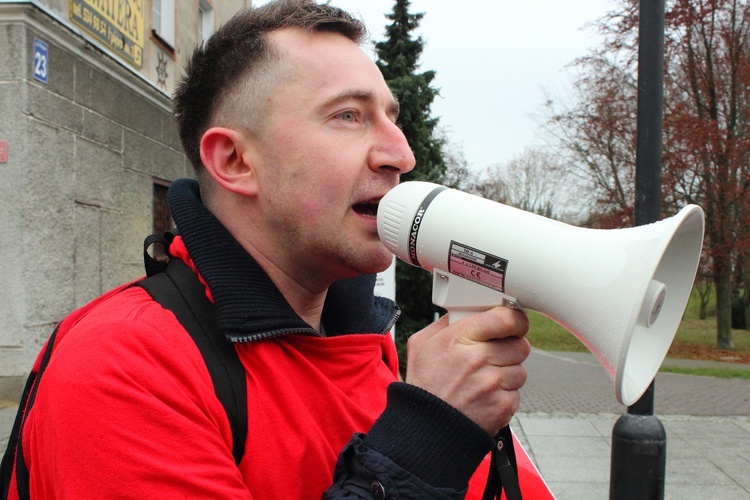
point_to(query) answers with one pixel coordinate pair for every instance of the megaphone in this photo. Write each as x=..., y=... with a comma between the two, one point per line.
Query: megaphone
x=621, y=292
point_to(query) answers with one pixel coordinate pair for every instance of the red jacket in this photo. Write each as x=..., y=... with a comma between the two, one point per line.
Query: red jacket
x=126, y=407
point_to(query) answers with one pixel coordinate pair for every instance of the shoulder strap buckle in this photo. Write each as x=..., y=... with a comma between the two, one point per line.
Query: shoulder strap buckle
x=158, y=262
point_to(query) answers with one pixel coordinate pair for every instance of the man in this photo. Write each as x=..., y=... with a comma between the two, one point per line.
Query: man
x=292, y=132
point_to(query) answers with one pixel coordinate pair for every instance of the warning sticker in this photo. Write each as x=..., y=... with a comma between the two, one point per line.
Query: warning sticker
x=478, y=266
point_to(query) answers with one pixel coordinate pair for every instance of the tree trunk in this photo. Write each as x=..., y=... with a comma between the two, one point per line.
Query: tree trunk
x=723, y=282
x=746, y=299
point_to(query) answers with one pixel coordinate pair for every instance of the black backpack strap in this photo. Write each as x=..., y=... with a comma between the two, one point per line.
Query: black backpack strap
x=14, y=452
x=9, y=458
x=179, y=290
x=503, y=469
x=6, y=466
x=152, y=265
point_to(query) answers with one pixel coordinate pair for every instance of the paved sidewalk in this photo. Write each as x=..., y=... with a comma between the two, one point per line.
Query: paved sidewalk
x=576, y=383
x=707, y=457
x=568, y=410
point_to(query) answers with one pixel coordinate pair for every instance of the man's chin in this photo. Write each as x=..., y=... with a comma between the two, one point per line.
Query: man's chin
x=377, y=263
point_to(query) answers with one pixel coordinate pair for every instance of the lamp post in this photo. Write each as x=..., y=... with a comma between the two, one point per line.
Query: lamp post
x=639, y=441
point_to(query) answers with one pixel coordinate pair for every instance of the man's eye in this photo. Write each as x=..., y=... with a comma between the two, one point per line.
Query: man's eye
x=348, y=116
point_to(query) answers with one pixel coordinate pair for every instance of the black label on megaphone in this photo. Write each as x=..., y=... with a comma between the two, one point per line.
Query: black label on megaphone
x=478, y=266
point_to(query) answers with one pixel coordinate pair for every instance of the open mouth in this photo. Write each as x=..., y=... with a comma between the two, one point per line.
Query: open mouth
x=369, y=208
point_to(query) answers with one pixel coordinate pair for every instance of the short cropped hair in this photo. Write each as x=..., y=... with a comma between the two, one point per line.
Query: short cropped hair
x=227, y=77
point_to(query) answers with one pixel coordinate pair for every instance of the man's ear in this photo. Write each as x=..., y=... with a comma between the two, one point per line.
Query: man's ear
x=223, y=154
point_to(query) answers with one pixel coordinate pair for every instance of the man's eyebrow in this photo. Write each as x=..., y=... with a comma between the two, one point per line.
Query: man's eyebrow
x=365, y=96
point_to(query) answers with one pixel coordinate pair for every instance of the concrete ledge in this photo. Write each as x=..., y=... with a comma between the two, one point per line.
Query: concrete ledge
x=11, y=388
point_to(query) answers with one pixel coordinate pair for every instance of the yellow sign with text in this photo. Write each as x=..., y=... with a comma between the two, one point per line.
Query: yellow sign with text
x=116, y=23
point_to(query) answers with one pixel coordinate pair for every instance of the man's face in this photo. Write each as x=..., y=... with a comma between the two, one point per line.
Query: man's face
x=328, y=151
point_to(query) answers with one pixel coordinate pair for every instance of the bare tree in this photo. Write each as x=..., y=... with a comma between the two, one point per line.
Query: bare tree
x=706, y=129
x=535, y=181
x=596, y=130
x=458, y=173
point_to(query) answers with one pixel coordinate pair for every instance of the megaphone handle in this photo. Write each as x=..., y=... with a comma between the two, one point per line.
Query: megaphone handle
x=462, y=297
x=458, y=314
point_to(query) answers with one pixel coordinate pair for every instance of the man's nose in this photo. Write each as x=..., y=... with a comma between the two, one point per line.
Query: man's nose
x=392, y=150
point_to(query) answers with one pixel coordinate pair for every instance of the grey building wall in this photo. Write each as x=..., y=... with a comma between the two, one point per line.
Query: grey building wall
x=76, y=191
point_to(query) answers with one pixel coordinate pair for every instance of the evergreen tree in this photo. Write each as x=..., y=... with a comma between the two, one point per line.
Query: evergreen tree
x=398, y=59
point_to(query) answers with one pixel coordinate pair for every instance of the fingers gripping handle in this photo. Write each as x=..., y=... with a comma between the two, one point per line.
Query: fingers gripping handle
x=462, y=297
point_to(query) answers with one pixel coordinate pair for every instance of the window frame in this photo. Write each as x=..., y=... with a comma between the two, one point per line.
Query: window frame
x=163, y=22
x=205, y=20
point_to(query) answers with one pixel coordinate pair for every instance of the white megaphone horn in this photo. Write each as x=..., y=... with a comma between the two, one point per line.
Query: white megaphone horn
x=622, y=292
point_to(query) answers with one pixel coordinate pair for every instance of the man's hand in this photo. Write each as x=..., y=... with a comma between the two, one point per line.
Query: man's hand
x=474, y=364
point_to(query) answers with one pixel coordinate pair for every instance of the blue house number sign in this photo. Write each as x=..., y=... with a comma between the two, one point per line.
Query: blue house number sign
x=41, y=60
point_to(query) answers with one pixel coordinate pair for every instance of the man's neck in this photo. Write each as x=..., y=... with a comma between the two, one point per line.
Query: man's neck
x=307, y=299
x=306, y=303
x=305, y=295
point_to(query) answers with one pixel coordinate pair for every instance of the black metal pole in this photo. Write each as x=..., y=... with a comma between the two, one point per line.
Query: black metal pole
x=639, y=441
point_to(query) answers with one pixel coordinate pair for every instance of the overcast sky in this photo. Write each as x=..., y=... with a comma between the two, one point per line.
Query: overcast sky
x=493, y=59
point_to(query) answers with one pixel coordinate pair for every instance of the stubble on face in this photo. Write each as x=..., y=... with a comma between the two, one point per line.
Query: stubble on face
x=312, y=174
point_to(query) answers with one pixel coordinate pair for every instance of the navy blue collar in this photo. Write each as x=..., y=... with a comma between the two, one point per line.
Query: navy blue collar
x=248, y=305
